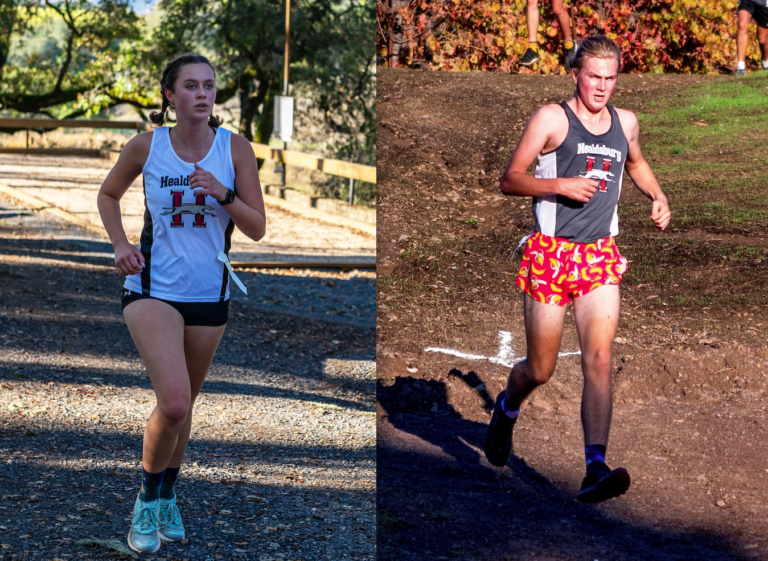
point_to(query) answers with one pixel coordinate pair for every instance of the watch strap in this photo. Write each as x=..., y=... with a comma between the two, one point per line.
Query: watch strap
x=230, y=198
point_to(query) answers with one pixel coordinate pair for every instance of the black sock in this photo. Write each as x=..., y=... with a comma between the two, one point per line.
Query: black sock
x=169, y=480
x=150, y=485
x=511, y=413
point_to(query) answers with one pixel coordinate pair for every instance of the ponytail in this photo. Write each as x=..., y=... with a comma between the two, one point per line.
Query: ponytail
x=214, y=121
x=158, y=117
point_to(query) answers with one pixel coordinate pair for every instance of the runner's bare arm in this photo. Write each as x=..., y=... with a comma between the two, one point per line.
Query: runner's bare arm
x=247, y=212
x=640, y=171
x=128, y=258
x=544, y=132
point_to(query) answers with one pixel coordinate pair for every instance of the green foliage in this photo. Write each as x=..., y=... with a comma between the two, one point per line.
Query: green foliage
x=62, y=51
x=338, y=75
x=332, y=66
x=68, y=58
x=331, y=55
x=685, y=36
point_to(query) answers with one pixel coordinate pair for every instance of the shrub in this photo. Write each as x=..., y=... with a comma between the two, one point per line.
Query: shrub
x=686, y=36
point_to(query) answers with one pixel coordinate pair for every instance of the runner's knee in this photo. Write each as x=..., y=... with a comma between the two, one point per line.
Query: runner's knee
x=742, y=27
x=533, y=3
x=597, y=362
x=537, y=372
x=175, y=410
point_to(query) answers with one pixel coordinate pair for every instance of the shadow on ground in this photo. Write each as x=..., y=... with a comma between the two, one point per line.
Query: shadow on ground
x=61, y=506
x=289, y=323
x=62, y=336
x=439, y=499
x=344, y=301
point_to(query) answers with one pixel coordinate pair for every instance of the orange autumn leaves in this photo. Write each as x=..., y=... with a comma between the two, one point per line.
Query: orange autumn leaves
x=688, y=36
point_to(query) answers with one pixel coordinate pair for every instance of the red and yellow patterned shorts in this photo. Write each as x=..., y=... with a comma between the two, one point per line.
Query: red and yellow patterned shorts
x=554, y=270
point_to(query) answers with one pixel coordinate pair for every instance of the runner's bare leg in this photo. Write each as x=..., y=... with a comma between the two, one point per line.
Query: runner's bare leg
x=563, y=18
x=543, y=333
x=741, y=35
x=762, y=39
x=200, y=344
x=597, y=317
x=533, y=20
x=157, y=330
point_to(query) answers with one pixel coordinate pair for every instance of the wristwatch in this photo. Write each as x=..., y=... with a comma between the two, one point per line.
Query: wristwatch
x=230, y=198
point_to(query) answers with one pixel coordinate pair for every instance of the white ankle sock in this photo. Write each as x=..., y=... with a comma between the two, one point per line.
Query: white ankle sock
x=765, y=65
x=741, y=65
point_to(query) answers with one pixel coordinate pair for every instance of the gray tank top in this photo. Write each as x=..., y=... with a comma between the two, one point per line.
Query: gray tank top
x=583, y=154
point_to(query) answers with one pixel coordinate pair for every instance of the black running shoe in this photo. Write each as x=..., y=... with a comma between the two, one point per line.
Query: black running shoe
x=530, y=57
x=570, y=55
x=740, y=71
x=498, y=439
x=602, y=484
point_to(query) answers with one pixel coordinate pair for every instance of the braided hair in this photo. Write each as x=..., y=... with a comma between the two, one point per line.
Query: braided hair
x=168, y=79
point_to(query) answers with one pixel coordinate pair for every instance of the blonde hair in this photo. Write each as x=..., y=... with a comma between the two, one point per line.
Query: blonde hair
x=597, y=46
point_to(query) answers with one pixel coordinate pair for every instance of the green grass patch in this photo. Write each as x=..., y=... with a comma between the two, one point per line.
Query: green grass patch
x=687, y=273
x=707, y=147
x=721, y=110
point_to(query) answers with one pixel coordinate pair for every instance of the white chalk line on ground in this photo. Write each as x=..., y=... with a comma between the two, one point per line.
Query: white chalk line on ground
x=505, y=355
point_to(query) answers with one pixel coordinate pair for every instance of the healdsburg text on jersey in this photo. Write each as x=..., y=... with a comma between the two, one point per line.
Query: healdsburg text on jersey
x=168, y=181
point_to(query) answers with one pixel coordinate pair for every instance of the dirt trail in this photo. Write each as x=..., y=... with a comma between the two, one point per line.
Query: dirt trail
x=689, y=381
x=72, y=183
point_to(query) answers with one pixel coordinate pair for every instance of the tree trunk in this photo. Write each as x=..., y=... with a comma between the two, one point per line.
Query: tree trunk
x=397, y=36
x=247, y=109
x=265, y=98
x=7, y=25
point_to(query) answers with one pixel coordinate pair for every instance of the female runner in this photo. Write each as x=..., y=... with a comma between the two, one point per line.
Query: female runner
x=200, y=181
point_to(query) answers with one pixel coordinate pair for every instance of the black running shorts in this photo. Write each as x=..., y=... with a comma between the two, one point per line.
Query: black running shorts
x=211, y=314
x=758, y=9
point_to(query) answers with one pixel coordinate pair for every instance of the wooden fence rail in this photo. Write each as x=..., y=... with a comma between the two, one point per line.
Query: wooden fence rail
x=289, y=157
x=50, y=124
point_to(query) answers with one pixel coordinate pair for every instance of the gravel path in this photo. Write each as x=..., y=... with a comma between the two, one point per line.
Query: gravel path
x=281, y=464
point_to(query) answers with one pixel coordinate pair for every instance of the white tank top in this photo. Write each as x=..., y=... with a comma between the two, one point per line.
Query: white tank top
x=183, y=233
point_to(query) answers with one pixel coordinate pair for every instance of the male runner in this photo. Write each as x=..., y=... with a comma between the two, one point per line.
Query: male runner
x=748, y=9
x=531, y=54
x=583, y=146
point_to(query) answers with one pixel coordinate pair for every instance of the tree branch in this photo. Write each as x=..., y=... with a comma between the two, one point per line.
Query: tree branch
x=136, y=104
x=36, y=103
x=67, y=62
x=358, y=91
x=75, y=113
x=58, y=11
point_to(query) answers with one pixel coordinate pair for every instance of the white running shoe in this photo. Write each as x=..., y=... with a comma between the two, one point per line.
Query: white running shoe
x=171, y=527
x=143, y=535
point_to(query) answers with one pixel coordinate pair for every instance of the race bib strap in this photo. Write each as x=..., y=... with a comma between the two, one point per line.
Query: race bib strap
x=520, y=244
x=223, y=258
